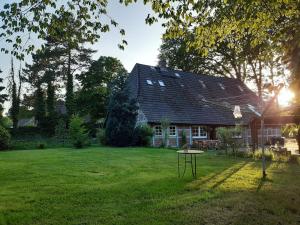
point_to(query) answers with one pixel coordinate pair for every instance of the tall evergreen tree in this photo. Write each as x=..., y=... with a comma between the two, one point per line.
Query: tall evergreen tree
x=122, y=115
x=3, y=97
x=14, y=93
x=39, y=107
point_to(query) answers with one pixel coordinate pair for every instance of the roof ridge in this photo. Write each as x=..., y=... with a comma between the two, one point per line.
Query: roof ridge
x=191, y=73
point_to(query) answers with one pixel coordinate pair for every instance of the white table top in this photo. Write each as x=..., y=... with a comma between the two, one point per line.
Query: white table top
x=190, y=152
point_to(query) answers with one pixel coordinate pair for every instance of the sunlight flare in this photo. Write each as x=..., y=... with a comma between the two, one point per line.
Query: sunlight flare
x=285, y=97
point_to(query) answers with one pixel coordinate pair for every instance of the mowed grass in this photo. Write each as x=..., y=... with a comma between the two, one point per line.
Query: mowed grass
x=140, y=186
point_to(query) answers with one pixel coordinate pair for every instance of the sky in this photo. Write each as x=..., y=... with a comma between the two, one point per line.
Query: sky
x=143, y=40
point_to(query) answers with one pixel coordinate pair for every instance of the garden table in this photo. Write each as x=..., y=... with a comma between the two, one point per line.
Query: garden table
x=189, y=157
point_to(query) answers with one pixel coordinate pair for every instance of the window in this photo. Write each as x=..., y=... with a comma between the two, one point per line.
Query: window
x=149, y=82
x=195, y=131
x=152, y=68
x=241, y=89
x=202, y=83
x=172, y=131
x=221, y=86
x=177, y=75
x=157, y=130
x=199, y=131
x=161, y=83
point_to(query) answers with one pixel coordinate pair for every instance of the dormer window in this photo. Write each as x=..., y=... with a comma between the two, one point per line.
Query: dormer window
x=241, y=89
x=152, y=68
x=177, y=75
x=221, y=86
x=202, y=83
x=149, y=82
x=161, y=83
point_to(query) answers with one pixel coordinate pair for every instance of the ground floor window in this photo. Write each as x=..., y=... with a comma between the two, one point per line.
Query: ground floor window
x=199, y=131
x=172, y=130
x=158, y=131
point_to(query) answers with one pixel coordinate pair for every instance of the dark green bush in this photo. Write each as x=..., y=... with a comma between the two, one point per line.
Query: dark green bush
x=78, y=135
x=142, y=135
x=101, y=136
x=41, y=146
x=61, y=132
x=4, y=138
x=121, y=120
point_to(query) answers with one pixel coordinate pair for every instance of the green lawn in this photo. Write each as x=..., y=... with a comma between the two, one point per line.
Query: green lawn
x=140, y=186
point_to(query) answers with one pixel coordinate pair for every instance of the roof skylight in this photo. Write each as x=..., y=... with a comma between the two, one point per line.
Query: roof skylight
x=241, y=89
x=149, y=82
x=253, y=109
x=161, y=83
x=152, y=68
x=202, y=83
x=177, y=75
x=221, y=86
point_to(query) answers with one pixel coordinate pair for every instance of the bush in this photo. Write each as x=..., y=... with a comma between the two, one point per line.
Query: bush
x=228, y=138
x=269, y=155
x=183, y=138
x=4, y=138
x=121, y=120
x=77, y=132
x=101, y=136
x=41, y=146
x=6, y=122
x=61, y=132
x=142, y=135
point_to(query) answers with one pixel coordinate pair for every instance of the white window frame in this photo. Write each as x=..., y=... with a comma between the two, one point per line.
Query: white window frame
x=172, y=135
x=199, y=132
x=155, y=129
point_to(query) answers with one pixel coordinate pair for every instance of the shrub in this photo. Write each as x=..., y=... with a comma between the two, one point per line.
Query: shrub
x=122, y=115
x=61, y=132
x=101, y=136
x=269, y=155
x=142, y=135
x=41, y=146
x=4, y=138
x=6, y=122
x=228, y=138
x=77, y=132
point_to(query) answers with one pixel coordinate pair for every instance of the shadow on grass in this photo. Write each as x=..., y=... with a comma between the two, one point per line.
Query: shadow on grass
x=232, y=172
x=262, y=182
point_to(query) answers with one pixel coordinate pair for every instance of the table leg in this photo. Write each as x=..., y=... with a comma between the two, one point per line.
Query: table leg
x=184, y=165
x=178, y=165
x=195, y=158
x=192, y=166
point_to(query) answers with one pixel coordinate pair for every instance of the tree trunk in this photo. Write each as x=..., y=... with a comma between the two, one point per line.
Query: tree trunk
x=69, y=89
x=298, y=139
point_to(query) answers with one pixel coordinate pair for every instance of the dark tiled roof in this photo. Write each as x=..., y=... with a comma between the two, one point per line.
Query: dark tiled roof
x=189, y=98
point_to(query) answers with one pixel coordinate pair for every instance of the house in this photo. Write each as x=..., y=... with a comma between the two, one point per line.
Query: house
x=192, y=103
x=27, y=122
